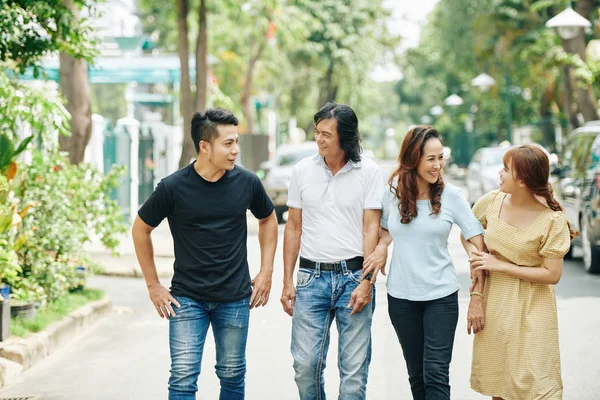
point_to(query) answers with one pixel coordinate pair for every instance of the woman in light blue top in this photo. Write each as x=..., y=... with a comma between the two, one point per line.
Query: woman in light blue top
x=419, y=209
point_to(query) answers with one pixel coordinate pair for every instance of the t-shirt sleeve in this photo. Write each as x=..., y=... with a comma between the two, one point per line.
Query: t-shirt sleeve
x=464, y=217
x=481, y=206
x=294, y=194
x=558, y=240
x=158, y=206
x=261, y=205
x=386, y=203
x=374, y=190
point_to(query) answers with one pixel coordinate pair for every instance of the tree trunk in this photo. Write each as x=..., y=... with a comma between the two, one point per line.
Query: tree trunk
x=547, y=127
x=569, y=104
x=75, y=87
x=248, y=81
x=188, y=151
x=201, y=60
x=328, y=88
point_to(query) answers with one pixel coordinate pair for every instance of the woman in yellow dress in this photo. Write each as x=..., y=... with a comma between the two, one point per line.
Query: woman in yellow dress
x=516, y=356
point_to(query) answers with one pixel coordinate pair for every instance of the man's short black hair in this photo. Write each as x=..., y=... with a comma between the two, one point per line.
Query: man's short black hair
x=204, y=125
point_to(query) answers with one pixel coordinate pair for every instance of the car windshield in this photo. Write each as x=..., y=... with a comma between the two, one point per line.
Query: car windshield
x=493, y=157
x=292, y=157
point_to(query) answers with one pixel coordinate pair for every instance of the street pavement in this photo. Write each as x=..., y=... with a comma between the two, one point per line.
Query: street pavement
x=126, y=356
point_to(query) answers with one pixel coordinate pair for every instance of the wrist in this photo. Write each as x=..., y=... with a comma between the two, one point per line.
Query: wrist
x=152, y=283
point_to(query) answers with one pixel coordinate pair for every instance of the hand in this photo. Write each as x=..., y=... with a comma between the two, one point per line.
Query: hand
x=261, y=285
x=472, y=269
x=481, y=261
x=475, y=315
x=288, y=298
x=162, y=300
x=375, y=263
x=361, y=296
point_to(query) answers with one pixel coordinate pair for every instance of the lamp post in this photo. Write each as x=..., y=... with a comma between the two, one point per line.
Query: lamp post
x=568, y=24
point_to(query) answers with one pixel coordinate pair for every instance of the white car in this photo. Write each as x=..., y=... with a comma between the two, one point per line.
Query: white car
x=482, y=174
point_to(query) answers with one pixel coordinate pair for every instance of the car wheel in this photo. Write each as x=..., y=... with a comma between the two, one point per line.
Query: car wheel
x=591, y=256
x=280, y=211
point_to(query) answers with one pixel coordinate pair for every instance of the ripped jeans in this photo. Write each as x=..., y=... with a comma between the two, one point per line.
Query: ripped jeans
x=187, y=334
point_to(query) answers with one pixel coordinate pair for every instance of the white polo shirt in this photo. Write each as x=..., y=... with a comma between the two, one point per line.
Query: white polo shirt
x=333, y=206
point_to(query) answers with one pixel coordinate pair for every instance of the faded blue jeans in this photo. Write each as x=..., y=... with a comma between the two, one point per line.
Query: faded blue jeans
x=187, y=334
x=321, y=297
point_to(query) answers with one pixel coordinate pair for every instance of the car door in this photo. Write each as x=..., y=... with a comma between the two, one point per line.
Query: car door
x=591, y=191
x=577, y=160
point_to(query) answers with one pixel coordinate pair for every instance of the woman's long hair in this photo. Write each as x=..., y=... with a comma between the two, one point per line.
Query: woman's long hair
x=403, y=182
x=531, y=165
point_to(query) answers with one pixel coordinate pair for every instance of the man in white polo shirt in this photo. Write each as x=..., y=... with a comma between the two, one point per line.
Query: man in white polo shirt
x=334, y=204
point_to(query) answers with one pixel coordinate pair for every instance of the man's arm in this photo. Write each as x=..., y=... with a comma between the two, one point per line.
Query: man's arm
x=267, y=239
x=159, y=295
x=291, y=248
x=361, y=296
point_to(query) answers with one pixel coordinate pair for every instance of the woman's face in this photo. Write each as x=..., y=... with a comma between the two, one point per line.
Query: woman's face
x=432, y=161
x=508, y=183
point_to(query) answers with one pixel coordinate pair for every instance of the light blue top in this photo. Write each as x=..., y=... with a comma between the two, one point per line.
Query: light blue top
x=421, y=268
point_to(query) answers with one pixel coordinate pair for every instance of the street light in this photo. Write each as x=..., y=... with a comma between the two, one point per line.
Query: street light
x=436, y=111
x=568, y=23
x=453, y=100
x=483, y=82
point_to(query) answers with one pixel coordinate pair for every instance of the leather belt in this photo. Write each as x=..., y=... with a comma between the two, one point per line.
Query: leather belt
x=352, y=264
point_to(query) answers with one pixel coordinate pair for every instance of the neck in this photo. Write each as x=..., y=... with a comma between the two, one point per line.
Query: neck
x=523, y=198
x=207, y=170
x=335, y=163
x=424, y=188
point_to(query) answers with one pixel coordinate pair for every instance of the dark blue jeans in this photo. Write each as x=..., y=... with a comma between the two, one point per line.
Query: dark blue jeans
x=187, y=334
x=426, y=330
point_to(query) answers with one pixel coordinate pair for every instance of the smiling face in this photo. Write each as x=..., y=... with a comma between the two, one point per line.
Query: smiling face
x=431, y=162
x=508, y=182
x=224, y=149
x=327, y=138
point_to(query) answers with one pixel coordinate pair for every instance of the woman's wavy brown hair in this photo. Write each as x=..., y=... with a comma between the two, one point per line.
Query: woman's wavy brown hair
x=403, y=182
x=531, y=165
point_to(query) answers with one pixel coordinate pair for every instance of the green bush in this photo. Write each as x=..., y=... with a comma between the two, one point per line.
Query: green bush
x=71, y=205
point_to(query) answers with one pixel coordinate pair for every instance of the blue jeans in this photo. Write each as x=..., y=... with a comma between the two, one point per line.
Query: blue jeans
x=322, y=296
x=426, y=332
x=187, y=333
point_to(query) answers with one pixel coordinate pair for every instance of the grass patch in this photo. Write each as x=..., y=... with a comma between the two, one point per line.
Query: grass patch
x=54, y=312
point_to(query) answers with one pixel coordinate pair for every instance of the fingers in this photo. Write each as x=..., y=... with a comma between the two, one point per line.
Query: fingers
x=288, y=304
x=383, y=270
x=469, y=325
x=174, y=301
x=170, y=310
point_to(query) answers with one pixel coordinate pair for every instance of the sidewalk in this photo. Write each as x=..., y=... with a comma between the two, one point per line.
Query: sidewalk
x=126, y=263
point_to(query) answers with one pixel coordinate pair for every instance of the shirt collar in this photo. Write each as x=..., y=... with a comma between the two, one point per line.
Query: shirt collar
x=349, y=165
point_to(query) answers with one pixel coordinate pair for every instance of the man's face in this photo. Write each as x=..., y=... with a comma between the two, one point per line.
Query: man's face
x=224, y=150
x=327, y=138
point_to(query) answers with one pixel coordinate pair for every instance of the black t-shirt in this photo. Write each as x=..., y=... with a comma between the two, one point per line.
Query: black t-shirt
x=209, y=229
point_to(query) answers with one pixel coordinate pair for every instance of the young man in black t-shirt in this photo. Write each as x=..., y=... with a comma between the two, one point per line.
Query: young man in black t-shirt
x=205, y=204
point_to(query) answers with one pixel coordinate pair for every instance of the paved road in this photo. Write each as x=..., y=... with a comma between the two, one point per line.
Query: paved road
x=126, y=355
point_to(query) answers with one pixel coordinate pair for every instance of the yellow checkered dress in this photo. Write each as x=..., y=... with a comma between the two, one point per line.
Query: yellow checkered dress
x=516, y=356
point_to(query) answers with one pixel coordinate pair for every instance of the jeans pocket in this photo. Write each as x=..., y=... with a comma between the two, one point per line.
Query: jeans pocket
x=305, y=277
x=355, y=276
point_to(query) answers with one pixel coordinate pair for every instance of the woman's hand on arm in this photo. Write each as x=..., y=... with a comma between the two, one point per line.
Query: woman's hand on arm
x=549, y=273
x=376, y=261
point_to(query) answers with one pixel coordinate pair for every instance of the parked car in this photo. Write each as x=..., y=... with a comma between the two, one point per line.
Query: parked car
x=482, y=172
x=577, y=188
x=277, y=173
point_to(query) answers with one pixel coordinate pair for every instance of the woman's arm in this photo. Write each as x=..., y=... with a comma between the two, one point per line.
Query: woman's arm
x=549, y=273
x=376, y=261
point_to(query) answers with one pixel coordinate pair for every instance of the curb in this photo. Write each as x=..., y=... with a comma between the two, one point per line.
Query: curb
x=21, y=354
